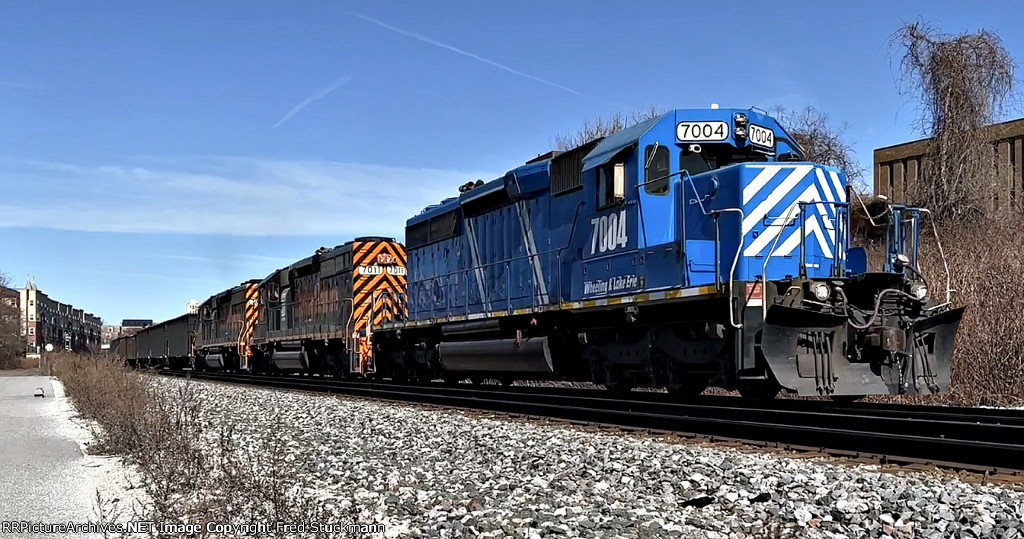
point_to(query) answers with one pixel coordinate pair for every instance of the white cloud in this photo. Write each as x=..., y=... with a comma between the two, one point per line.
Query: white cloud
x=225, y=195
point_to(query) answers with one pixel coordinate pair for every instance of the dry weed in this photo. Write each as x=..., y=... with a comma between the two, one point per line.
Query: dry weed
x=194, y=472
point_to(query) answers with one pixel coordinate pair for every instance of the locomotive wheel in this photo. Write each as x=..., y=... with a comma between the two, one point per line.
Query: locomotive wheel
x=476, y=380
x=615, y=381
x=846, y=399
x=452, y=379
x=506, y=381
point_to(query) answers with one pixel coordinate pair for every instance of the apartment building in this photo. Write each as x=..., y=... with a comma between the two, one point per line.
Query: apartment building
x=45, y=320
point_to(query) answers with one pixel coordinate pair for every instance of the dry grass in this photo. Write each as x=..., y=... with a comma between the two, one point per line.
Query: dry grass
x=987, y=271
x=987, y=277
x=987, y=268
x=194, y=472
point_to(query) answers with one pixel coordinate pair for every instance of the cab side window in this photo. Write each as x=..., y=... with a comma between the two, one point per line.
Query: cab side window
x=656, y=157
x=605, y=186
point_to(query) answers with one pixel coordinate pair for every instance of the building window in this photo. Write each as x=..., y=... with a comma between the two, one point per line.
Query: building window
x=31, y=331
x=31, y=317
x=656, y=159
x=31, y=302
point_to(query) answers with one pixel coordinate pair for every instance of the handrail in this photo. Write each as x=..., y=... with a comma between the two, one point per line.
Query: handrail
x=764, y=268
x=739, y=248
x=446, y=277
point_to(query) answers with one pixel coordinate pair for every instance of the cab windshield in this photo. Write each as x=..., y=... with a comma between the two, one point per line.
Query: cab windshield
x=713, y=156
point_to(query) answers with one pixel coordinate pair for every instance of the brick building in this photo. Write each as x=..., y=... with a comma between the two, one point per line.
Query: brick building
x=131, y=325
x=899, y=166
x=108, y=335
x=45, y=320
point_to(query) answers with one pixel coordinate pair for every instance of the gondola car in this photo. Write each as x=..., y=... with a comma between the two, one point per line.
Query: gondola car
x=166, y=344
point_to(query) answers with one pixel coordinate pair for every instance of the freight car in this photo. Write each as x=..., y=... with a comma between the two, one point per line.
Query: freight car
x=124, y=349
x=315, y=315
x=167, y=344
x=696, y=248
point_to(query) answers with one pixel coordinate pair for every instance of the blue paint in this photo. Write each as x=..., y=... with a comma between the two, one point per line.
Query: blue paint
x=514, y=245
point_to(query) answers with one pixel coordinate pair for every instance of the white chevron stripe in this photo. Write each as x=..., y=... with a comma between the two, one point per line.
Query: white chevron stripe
x=826, y=213
x=767, y=173
x=812, y=228
x=775, y=197
x=840, y=190
x=825, y=189
x=814, y=218
x=770, y=231
x=775, y=228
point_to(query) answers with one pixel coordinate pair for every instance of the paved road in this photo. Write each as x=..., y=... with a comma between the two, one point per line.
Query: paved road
x=44, y=477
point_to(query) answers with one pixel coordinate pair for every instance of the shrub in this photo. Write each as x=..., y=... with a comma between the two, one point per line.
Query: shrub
x=193, y=471
x=987, y=270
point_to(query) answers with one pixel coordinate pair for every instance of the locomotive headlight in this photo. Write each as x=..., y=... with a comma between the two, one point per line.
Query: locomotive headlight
x=741, y=125
x=919, y=291
x=821, y=291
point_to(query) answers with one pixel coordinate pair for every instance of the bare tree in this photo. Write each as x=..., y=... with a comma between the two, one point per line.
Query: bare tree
x=12, y=344
x=602, y=127
x=822, y=141
x=962, y=83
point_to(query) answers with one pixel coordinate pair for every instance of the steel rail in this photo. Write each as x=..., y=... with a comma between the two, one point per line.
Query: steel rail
x=1004, y=416
x=955, y=440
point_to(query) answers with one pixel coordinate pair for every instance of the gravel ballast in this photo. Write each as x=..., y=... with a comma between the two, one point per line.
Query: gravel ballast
x=434, y=473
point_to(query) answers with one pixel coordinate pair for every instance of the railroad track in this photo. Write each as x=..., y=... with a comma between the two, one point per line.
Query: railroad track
x=989, y=441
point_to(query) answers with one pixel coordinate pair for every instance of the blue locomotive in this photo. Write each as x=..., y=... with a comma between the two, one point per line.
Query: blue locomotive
x=697, y=248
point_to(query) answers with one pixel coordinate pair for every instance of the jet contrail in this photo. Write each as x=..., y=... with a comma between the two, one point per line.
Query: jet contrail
x=316, y=95
x=457, y=50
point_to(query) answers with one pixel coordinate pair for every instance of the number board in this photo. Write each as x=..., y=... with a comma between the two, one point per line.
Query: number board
x=702, y=131
x=762, y=136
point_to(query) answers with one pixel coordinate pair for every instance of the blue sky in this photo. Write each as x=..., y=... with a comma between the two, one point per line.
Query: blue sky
x=153, y=152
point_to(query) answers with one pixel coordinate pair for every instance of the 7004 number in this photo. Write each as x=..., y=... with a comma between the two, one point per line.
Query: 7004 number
x=702, y=131
x=609, y=232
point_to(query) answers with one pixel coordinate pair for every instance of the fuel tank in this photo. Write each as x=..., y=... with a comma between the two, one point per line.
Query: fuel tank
x=497, y=356
x=214, y=361
x=291, y=358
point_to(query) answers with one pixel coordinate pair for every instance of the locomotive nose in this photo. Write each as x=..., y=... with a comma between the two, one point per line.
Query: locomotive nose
x=815, y=352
